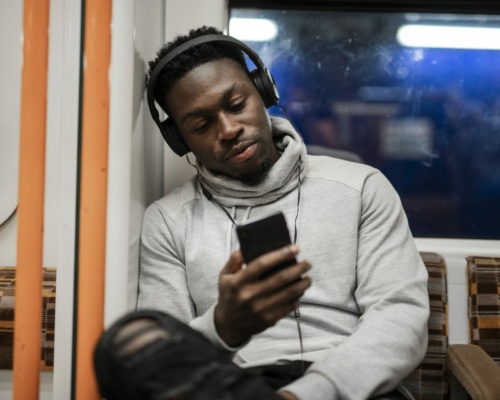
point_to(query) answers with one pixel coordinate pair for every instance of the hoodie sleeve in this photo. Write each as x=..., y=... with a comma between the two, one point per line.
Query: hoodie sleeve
x=391, y=293
x=162, y=277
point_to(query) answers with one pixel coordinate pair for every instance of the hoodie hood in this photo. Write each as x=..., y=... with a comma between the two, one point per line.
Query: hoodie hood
x=281, y=179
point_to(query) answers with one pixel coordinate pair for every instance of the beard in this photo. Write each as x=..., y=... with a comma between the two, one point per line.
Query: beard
x=258, y=175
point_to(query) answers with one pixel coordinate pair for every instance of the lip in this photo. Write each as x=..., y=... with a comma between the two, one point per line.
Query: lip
x=242, y=152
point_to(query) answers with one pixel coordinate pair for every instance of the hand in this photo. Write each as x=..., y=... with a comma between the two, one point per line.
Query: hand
x=288, y=396
x=248, y=305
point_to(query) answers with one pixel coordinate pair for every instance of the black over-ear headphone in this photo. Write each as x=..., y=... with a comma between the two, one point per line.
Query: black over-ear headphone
x=261, y=77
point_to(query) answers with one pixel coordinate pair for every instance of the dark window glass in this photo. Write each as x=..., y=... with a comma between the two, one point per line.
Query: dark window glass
x=425, y=113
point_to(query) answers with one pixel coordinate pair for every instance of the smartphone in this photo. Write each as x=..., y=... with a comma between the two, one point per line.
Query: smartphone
x=262, y=236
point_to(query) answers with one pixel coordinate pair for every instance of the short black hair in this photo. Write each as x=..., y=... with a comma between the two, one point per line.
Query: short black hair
x=190, y=59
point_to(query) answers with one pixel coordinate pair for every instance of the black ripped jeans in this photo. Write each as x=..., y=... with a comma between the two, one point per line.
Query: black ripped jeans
x=148, y=355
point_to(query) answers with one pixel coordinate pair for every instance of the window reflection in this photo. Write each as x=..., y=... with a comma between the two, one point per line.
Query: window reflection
x=428, y=118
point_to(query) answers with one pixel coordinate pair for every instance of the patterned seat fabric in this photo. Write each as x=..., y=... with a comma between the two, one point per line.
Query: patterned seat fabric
x=483, y=275
x=7, y=297
x=430, y=380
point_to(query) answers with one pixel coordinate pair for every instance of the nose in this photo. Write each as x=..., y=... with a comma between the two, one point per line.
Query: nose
x=229, y=127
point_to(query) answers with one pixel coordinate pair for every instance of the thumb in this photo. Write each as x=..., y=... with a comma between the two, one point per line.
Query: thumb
x=234, y=264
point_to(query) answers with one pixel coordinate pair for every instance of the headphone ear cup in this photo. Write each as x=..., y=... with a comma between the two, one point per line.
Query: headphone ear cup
x=173, y=137
x=264, y=82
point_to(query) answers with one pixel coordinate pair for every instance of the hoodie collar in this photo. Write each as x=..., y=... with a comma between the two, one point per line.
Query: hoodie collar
x=282, y=177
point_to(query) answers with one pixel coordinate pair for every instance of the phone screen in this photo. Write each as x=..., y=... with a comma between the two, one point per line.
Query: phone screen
x=262, y=236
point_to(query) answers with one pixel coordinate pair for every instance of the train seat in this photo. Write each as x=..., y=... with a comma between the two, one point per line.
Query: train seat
x=430, y=380
x=475, y=367
x=7, y=300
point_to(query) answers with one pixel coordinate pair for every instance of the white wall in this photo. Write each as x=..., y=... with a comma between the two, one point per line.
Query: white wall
x=61, y=178
x=45, y=386
x=11, y=28
x=135, y=148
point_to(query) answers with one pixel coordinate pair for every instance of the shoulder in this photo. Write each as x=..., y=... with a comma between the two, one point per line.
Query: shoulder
x=351, y=174
x=171, y=204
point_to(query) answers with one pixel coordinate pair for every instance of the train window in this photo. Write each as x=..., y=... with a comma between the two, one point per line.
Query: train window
x=416, y=95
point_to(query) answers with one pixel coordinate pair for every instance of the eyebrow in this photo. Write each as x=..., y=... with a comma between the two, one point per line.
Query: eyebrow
x=225, y=98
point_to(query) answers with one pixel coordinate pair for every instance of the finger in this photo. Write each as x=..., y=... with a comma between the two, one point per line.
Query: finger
x=268, y=261
x=234, y=264
x=273, y=315
x=284, y=277
x=250, y=293
x=280, y=299
x=274, y=283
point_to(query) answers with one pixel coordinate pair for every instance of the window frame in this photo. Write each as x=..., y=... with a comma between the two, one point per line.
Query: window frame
x=420, y=6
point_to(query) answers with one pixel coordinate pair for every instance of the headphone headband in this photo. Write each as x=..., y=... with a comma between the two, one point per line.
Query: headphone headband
x=195, y=42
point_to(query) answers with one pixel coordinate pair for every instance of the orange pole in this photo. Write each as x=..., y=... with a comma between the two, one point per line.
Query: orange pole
x=28, y=317
x=93, y=197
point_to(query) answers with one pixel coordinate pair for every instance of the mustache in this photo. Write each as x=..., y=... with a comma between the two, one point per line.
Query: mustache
x=236, y=146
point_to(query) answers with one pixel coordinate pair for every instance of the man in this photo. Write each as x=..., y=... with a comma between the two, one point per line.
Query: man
x=363, y=306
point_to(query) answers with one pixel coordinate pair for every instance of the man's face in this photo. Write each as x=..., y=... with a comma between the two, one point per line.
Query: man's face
x=223, y=120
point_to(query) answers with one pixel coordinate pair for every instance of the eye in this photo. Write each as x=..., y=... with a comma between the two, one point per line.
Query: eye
x=203, y=127
x=238, y=106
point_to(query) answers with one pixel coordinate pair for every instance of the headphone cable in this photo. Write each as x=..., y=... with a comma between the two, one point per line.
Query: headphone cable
x=210, y=197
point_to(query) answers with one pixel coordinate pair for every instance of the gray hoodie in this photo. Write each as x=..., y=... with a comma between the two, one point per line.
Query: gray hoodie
x=363, y=320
